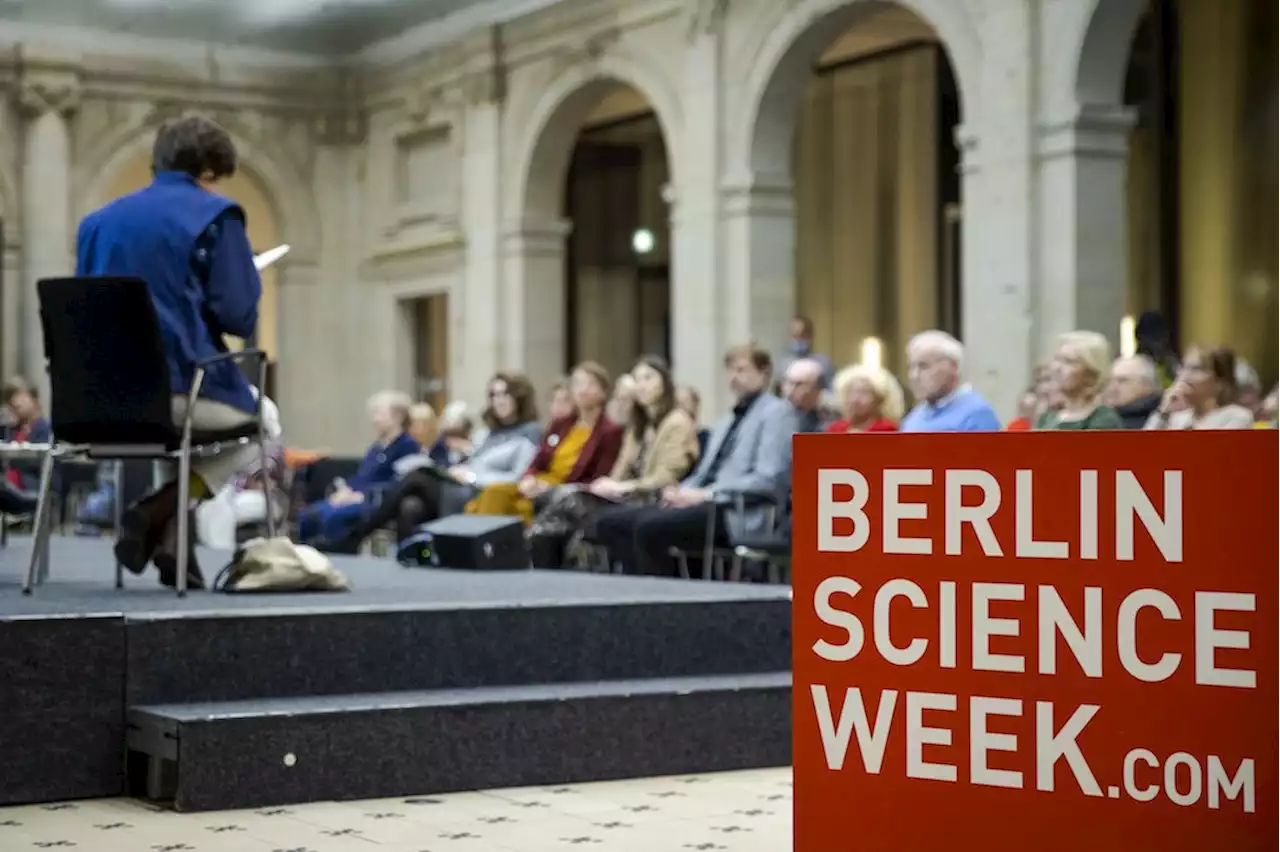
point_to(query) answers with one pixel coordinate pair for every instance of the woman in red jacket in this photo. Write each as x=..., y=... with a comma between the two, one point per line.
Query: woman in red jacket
x=870, y=399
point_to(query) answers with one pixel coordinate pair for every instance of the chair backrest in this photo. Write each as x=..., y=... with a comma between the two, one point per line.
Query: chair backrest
x=108, y=376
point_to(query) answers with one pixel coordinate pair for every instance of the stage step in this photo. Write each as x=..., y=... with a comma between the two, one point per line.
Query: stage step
x=278, y=751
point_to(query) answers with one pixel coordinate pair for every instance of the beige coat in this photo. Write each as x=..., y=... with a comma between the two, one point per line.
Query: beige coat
x=673, y=451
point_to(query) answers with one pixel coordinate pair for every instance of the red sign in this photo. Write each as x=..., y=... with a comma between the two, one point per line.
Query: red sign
x=1049, y=641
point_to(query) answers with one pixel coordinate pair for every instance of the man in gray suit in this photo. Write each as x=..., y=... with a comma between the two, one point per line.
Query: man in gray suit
x=748, y=455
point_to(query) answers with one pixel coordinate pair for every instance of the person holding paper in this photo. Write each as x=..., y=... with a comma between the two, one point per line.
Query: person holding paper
x=189, y=244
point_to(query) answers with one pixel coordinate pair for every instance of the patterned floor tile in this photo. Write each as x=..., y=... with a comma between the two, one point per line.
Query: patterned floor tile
x=722, y=812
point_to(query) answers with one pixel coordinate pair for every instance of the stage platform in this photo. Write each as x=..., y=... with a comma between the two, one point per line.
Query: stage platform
x=416, y=682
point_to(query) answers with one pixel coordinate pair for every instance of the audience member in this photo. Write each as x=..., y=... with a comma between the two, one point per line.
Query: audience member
x=424, y=426
x=802, y=386
x=935, y=364
x=800, y=345
x=1203, y=396
x=560, y=403
x=659, y=448
x=1080, y=367
x=749, y=454
x=577, y=449
x=622, y=400
x=20, y=491
x=426, y=493
x=1028, y=411
x=870, y=400
x=189, y=244
x=328, y=523
x=1248, y=388
x=1134, y=390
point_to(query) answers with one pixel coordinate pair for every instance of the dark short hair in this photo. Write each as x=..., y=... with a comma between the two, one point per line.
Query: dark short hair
x=805, y=323
x=521, y=390
x=196, y=146
x=757, y=355
x=17, y=385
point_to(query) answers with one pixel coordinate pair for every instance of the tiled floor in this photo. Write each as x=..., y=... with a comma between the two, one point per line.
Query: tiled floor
x=733, y=811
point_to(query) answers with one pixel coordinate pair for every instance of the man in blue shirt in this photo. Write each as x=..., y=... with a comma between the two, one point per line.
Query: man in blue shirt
x=189, y=244
x=935, y=362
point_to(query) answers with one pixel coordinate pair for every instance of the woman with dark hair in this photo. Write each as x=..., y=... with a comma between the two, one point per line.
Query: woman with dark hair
x=430, y=491
x=1204, y=395
x=189, y=244
x=576, y=449
x=659, y=448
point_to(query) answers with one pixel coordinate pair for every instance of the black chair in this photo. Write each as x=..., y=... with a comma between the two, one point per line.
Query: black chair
x=715, y=557
x=111, y=396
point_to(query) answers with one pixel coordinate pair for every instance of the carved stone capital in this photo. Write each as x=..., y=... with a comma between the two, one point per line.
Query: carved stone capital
x=48, y=91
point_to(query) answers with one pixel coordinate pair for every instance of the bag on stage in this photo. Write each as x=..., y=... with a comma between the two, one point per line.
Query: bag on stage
x=279, y=565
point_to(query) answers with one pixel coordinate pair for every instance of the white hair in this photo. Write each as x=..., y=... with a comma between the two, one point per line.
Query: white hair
x=1149, y=373
x=1246, y=376
x=811, y=368
x=938, y=342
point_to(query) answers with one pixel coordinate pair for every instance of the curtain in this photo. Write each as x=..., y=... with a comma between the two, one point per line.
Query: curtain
x=1257, y=304
x=867, y=196
x=604, y=206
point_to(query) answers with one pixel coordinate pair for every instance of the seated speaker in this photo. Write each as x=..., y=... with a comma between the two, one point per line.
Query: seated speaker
x=468, y=543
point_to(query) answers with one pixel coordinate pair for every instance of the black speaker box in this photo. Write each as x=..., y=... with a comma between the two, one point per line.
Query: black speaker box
x=476, y=543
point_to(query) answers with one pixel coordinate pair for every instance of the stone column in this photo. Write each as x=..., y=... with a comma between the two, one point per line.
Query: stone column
x=532, y=296
x=11, y=306
x=475, y=299
x=760, y=239
x=998, y=302
x=47, y=96
x=1083, y=233
x=698, y=303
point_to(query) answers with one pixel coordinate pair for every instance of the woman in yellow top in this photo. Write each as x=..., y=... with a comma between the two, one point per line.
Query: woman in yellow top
x=576, y=449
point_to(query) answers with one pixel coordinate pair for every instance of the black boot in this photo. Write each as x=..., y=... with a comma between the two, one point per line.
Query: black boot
x=166, y=556
x=142, y=526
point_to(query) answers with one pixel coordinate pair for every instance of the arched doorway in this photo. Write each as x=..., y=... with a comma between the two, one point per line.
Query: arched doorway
x=854, y=125
x=1201, y=82
x=263, y=229
x=593, y=252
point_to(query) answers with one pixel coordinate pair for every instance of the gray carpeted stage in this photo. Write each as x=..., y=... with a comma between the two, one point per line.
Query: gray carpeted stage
x=416, y=681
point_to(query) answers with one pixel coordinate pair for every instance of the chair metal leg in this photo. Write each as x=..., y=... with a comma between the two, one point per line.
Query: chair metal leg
x=266, y=485
x=184, y=516
x=39, y=527
x=117, y=512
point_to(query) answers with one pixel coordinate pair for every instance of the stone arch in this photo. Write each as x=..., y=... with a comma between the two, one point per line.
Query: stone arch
x=286, y=191
x=791, y=43
x=1106, y=29
x=556, y=119
x=535, y=238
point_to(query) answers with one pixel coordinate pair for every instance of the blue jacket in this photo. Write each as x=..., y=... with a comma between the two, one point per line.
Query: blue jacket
x=378, y=469
x=190, y=246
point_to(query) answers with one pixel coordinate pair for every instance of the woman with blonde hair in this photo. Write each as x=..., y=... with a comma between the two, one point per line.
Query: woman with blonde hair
x=327, y=522
x=1080, y=370
x=870, y=400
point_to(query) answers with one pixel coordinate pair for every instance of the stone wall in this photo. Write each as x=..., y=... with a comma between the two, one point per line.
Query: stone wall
x=443, y=173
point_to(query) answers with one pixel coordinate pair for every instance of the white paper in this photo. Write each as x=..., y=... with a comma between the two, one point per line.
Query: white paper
x=269, y=257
